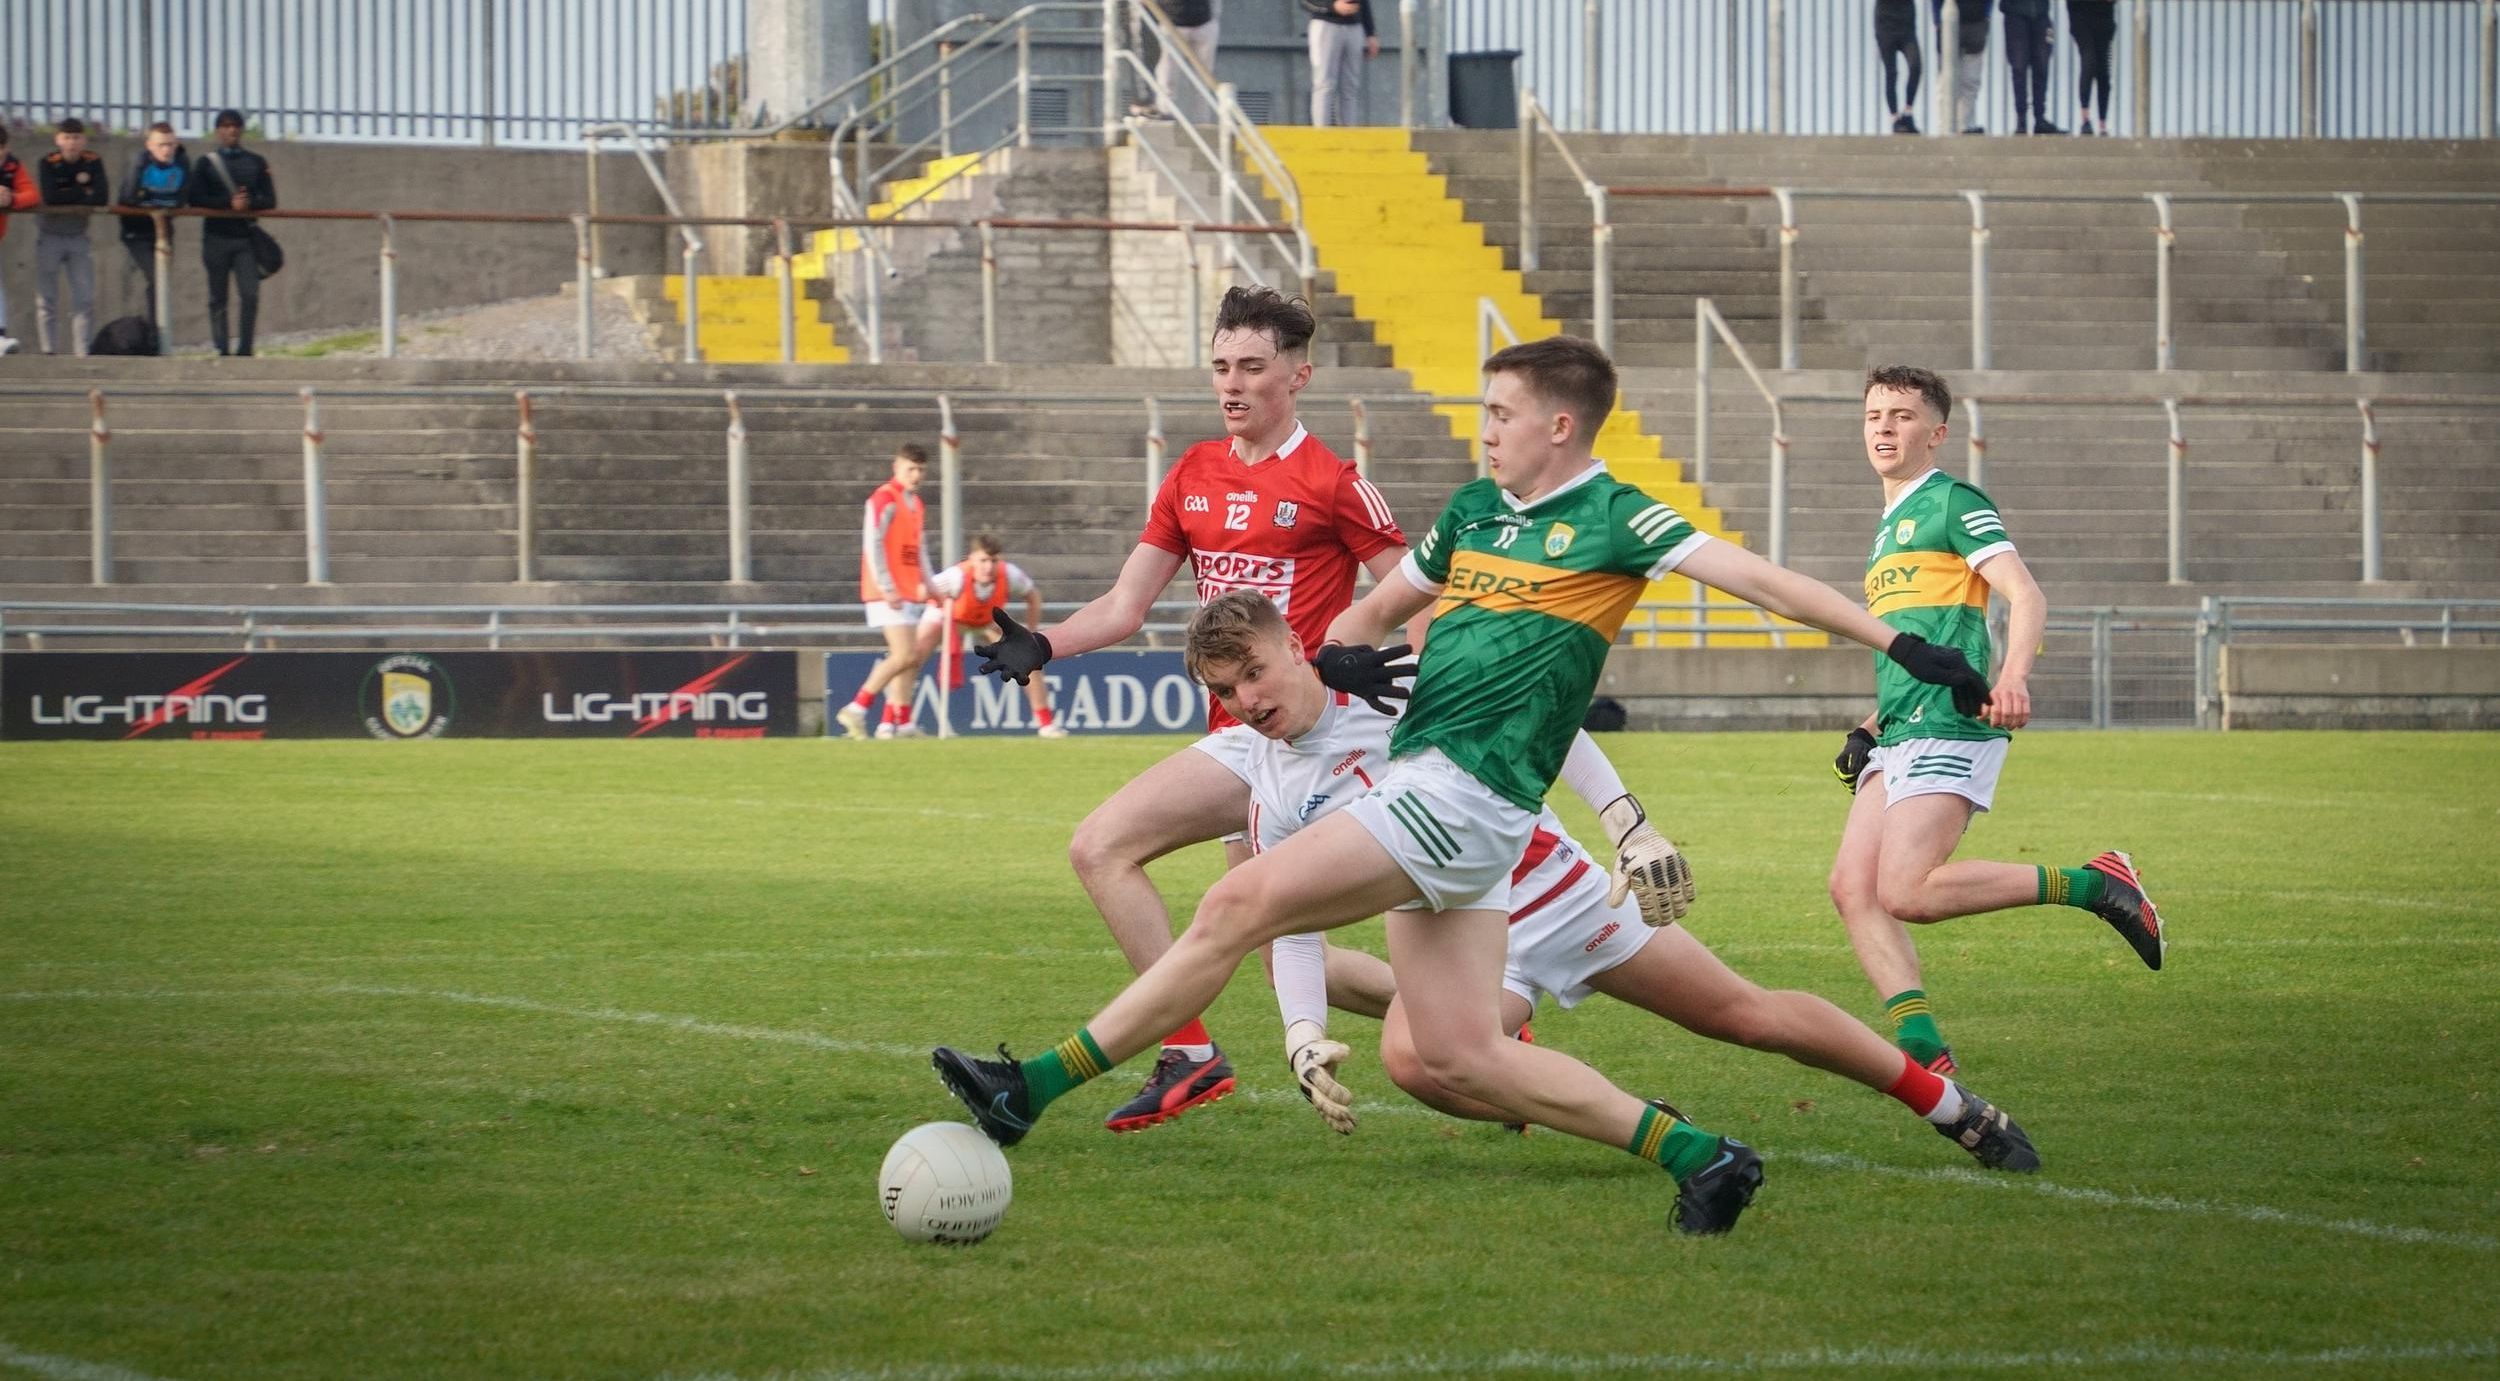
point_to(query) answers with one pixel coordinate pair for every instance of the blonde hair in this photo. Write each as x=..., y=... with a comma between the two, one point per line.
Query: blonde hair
x=1225, y=629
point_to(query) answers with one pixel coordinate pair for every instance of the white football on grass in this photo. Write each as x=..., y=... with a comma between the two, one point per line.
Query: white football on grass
x=945, y=1183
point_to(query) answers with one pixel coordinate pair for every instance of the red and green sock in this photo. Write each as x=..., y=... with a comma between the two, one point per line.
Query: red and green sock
x=1064, y=1066
x=1673, y=1142
x=2076, y=887
x=1930, y=1095
x=1914, y=1025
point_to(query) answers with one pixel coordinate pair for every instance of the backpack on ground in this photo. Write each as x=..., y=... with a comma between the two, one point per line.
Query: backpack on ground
x=127, y=335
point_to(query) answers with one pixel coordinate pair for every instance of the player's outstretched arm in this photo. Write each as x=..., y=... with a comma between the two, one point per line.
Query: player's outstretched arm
x=1300, y=963
x=1122, y=609
x=1646, y=862
x=1395, y=600
x=1729, y=567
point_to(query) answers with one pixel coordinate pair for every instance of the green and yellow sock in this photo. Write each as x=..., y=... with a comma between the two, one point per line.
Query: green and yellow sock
x=2076, y=887
x=1063, y=1067
x=1914, y=1025
x=1673, y=1142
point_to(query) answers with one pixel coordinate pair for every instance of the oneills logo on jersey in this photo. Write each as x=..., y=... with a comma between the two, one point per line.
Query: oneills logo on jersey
x=1558, y=539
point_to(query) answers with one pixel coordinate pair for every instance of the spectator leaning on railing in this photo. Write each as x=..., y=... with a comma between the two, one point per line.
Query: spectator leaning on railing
x=159, y=181
x=1337, y=54
x=230, y=177
x=17, y=193
x=69, y=176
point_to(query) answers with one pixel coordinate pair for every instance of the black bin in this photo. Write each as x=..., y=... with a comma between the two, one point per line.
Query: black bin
x=1484, y=89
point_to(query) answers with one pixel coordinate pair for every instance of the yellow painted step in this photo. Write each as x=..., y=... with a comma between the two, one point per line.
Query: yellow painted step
x=1402, y=248
x=741, y=321
x=900, y=195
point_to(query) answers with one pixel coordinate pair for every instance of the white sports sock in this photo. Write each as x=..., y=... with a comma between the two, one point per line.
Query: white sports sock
x=1948, y=1109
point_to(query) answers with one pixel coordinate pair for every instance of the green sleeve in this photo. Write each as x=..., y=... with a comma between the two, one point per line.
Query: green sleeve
x=1646, y=537
x=1971, y=522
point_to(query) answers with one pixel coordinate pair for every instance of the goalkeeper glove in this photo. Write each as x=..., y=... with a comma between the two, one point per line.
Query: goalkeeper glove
x=1371, y=673
x=1018, y=653
x=1314, y=1059
x=1941, y=666
x=1851, y=764
x=1646, y=864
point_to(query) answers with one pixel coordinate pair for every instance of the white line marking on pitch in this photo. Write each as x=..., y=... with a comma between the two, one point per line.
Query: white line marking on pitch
x=1833, y=1360
x=2250, y=1213
x=67, y=1368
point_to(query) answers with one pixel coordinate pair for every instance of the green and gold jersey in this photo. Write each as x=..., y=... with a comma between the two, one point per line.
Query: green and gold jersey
x=1531, y=598
x=1923, y=578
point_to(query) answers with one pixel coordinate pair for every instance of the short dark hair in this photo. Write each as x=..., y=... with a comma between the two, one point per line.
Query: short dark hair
x=228, y=117
x=1224, y=628
x=1285, y=320
x=912, y=451
x=982, y=541
x=160, y=127
x=1909, y=378
x=70, y=125
x=1570, y=374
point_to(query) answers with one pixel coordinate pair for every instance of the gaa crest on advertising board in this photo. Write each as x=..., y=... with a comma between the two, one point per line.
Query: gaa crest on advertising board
x=407, y=696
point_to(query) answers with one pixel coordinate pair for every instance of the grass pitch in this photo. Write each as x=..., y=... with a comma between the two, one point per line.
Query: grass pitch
x=498, y=1059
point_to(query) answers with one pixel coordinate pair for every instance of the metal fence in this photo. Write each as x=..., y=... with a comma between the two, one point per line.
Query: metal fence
x=2384, y=69
x=469, y=71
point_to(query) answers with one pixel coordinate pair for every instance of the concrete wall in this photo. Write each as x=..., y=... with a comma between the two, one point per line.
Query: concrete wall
x=332, y=279
x=2360, y=688
x=775, y=178
x=1741, y=688
x=1150, y=325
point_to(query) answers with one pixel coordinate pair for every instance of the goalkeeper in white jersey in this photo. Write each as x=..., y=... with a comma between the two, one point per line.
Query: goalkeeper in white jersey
x=1574, y=928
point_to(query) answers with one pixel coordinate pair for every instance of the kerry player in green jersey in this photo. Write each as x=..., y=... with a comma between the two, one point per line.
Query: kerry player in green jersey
x=1920, y=766
x=1530, y=575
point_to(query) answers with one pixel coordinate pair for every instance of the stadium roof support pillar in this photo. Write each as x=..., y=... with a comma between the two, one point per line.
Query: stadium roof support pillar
x=798, y=50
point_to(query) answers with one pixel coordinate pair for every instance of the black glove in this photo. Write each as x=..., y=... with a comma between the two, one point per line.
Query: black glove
x=1369, y=672
x=1853, y=756
x=1018, y=653
x=1941, y=666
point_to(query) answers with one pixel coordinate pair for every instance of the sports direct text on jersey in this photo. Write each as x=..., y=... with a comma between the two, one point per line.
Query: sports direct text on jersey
x=1222, y=571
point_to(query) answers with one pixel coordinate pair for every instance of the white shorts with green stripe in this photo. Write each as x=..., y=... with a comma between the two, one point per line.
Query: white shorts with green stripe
x=1939, y=766
x=1455, y=837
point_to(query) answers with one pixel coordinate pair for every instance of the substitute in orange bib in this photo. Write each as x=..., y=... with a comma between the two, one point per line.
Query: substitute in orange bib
x=964, y=600
x=892, y=584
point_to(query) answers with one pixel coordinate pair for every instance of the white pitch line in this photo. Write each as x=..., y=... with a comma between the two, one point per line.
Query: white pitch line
x=2249, y=1213
x=67, y=1368
x=1831, y=1360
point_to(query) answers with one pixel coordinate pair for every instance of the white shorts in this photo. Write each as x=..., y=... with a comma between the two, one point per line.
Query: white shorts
x=1556, y=947
x=883, y=615
x=1940, y=766
x=1231, y=746
x=1452, y=835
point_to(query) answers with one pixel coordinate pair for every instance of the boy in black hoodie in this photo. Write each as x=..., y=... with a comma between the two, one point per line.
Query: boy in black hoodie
x=159, y=180
x=69, y=176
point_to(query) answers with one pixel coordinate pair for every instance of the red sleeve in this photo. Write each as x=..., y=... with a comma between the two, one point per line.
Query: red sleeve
x=1163, y=519
x=1363, y=517
x=22, y=195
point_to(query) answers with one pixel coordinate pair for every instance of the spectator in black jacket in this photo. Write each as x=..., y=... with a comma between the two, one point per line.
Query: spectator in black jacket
x=159, y=181
x=69, y=176
x=230, y=177
x=2030, y=36
x=2094, y=23
x=1337, y=54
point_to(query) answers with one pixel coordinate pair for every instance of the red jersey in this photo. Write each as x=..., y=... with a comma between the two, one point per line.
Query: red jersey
x=1294, y=527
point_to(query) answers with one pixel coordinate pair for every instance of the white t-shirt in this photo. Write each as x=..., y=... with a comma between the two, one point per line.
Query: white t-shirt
x=948, y=583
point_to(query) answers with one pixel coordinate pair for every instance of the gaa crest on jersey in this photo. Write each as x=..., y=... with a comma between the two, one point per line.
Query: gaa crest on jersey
x=1312, y=805
x=1558, y=539
x=1195, y=503
x=1904, y=530
x=1286, y=511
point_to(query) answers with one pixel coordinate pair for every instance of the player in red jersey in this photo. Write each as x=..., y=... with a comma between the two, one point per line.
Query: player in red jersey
x=893, y=587
x=1265, y=508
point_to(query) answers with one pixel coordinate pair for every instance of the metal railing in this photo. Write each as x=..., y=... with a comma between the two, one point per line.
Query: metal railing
x=2368, y=520
x=1533, y=125
x=2386, y=69
x=2164, y=230
x=584, y=226
x=736, y=474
